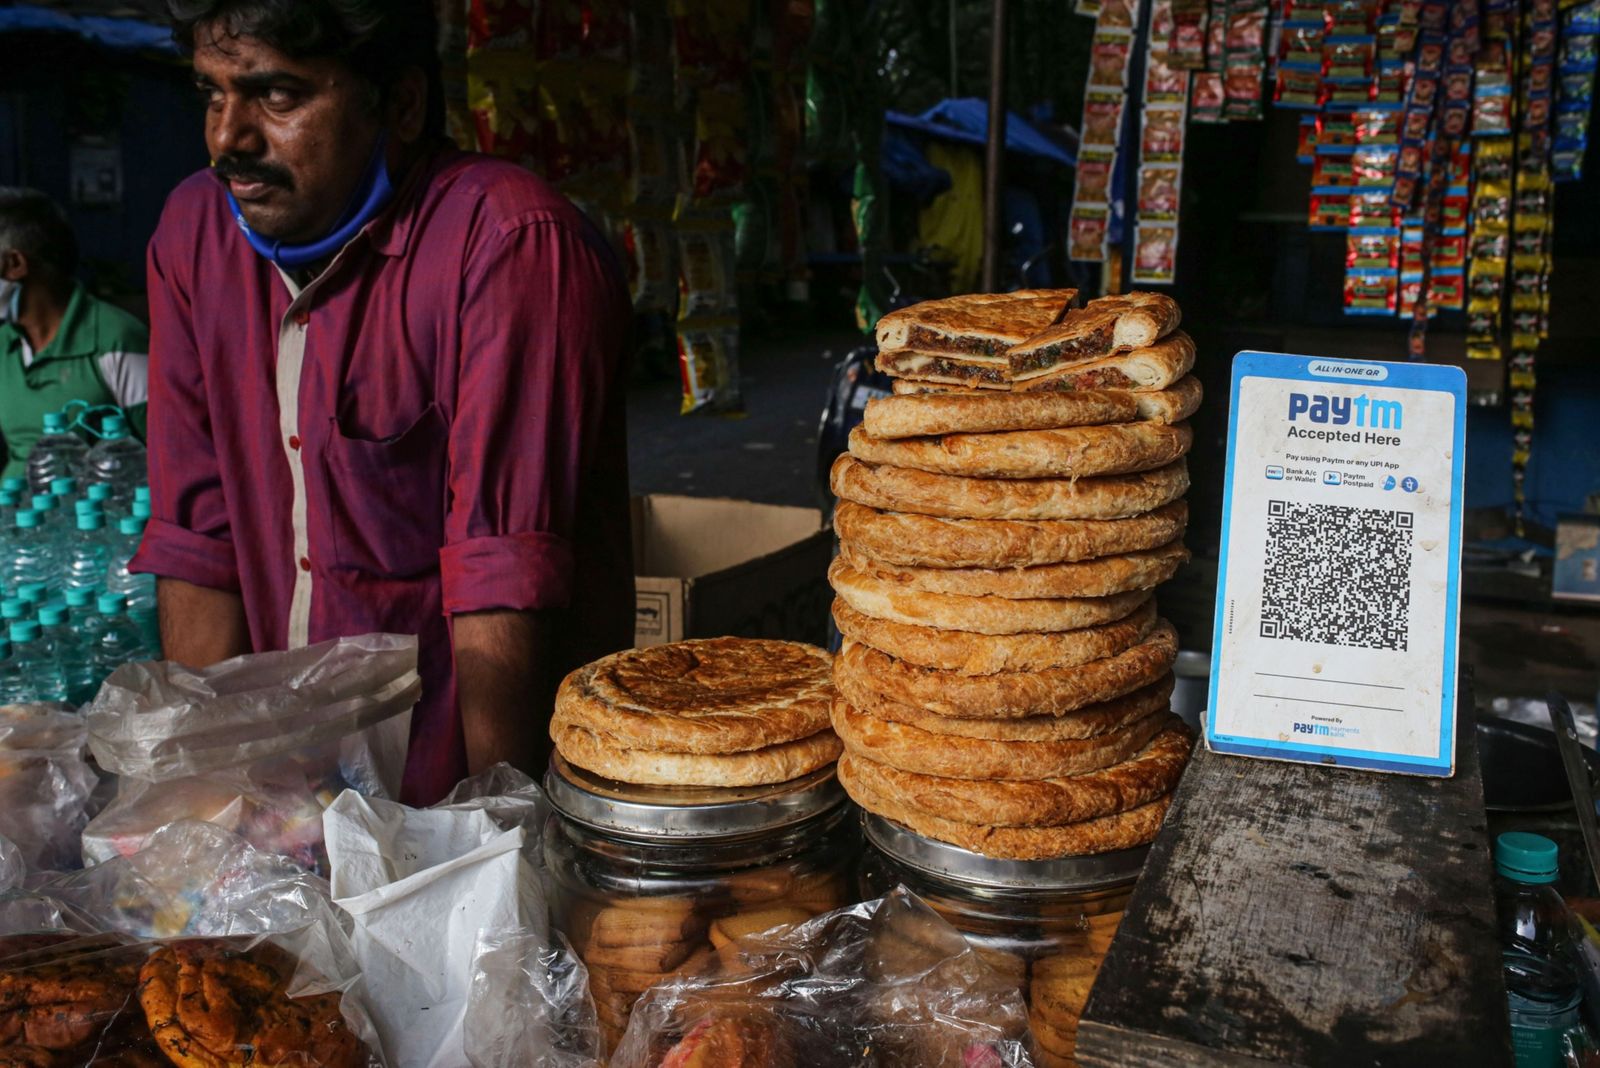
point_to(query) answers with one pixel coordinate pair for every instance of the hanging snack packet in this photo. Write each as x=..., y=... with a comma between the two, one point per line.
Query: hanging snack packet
x=1158, y=191
x=1155, y=254
x=1087, y=233
x=1209, y=97
x=708, y=361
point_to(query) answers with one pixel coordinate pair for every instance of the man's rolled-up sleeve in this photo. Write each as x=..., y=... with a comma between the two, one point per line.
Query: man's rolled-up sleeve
x=188, y=536
x=543, y=321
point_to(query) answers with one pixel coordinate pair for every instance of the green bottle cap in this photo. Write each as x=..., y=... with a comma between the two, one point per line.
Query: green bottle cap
x=1525, y=858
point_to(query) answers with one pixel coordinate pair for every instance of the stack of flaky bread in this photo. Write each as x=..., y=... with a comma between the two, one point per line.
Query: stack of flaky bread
x=711, y=712
x=1004, y=681
x=719, y=712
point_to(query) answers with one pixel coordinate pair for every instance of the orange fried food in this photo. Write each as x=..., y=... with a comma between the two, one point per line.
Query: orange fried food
x=61, y=1004
x=212, y=1004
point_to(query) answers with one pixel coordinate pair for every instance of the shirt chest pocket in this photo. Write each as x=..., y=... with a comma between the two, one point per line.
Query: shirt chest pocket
x=386, y=497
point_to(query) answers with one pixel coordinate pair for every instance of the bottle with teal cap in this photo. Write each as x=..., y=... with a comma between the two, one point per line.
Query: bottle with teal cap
x=57, y=452
x=98, y=492
x=1539, y=954
x=64, y=488
x=117, y=460
x=33, y=557
x=88, y=552
x=12, y=690
x=119, y=641
x=49, y=508
x=36, y=663
x=83, y=604
x=66, y=645
x=140, y=590
x=34, y=593
x=11, y=610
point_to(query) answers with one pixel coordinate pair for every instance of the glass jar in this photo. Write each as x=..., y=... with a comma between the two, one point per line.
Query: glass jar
x=647, y=880
x=1046, y=924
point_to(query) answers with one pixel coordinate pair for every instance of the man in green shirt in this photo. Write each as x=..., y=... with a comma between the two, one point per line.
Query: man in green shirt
x=57, y=342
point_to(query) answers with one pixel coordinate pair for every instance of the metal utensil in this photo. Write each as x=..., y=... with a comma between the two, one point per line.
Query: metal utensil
x=1577, y=776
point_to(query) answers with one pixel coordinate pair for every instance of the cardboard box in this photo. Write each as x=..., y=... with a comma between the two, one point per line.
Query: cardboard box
x=1576, y=576
x=706, y=568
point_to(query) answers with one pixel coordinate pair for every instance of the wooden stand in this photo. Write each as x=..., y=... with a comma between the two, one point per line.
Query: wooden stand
x=1308, y=916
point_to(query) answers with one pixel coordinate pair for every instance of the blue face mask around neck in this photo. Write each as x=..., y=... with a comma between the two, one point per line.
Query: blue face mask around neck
x=369, y=199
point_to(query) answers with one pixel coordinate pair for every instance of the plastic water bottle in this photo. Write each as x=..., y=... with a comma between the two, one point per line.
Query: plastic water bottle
x=118, y=461
x=49, y=508
x=13, y=484
x=88, y=554
x=58, y=452
x=98, y=493
x=12, y=609
x=11, y=687
x=35, y=661
x=64, y=488
x=118, y=641
x=140, y=590
x=83, y=604
x=33, y=557
x=34, y=594
x=66, y=645
x=1538, y=939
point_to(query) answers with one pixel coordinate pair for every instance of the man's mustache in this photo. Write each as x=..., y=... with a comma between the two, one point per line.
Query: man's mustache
x=241, y=169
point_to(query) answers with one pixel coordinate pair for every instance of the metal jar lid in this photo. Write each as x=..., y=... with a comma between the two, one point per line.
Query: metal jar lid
x=687, y=813
x=962, y=867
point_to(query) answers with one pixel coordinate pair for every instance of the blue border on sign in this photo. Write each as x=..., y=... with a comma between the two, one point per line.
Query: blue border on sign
x=1416, y=376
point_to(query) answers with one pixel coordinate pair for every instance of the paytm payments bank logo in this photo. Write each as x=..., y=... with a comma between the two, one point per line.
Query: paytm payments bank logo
x=1341, y=411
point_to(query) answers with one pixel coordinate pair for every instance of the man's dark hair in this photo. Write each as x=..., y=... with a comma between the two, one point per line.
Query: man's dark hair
x=35, y=226
x=378, y=39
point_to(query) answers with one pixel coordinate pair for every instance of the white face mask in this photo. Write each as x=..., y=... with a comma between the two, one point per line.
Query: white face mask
x=10, y=297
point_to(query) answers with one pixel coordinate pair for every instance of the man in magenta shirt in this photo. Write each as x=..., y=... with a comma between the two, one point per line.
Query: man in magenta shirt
x=385, y=384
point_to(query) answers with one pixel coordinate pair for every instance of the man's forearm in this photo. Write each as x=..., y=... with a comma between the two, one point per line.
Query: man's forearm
x=504, y=688
x=200, y=626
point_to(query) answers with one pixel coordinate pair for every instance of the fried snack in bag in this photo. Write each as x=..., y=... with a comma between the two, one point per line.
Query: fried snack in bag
x=887, y=979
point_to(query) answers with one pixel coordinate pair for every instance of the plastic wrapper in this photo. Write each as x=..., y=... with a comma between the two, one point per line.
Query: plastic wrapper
x=529, y=1005
x=708, y=362
x=422, y=887
x=1155, y=253
x=259, y=744
x=1087, y=233
x=886, y=982
x=45, y=784
x=255, y=930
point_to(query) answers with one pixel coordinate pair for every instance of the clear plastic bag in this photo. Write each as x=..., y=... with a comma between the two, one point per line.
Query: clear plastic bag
x=11, y=867
x=259, y=744
x=529, y=1006
x=884, y=983
x=422, y=888
x=199, y=904
x=45, y=784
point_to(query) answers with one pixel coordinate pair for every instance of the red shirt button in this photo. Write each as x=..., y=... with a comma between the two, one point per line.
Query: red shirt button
x=305, y=564
x=302, y=318
x=294, y=441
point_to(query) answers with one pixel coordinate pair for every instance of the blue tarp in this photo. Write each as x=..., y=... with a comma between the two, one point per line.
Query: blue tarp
x=966, y=119
x=123, y=35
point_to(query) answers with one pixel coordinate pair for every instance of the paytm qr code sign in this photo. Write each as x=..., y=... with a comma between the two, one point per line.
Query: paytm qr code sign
x=1337, y=598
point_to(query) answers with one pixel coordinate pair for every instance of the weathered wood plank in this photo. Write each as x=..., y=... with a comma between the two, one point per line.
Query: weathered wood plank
x=1308, y=916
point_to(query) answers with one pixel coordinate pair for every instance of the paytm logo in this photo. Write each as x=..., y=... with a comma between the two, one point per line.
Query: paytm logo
x=1363, y=411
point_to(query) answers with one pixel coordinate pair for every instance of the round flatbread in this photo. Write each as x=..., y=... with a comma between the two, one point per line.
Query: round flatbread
x=903, y=489
x=1072, y=452
x=1010, y=694
x=1106, y=834
x=717, y=695
x=601, y=754
x=212, y=1004
x=928, y=541
x=1085, y=722
x=985, y=654
x=912, y=749
x=883, y=599
x=1171, y=405
x=1100, y=577
x=888, y=418
x=1150, y=773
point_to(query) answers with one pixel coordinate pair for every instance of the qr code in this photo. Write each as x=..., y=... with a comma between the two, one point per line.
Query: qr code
x=1337, y=575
